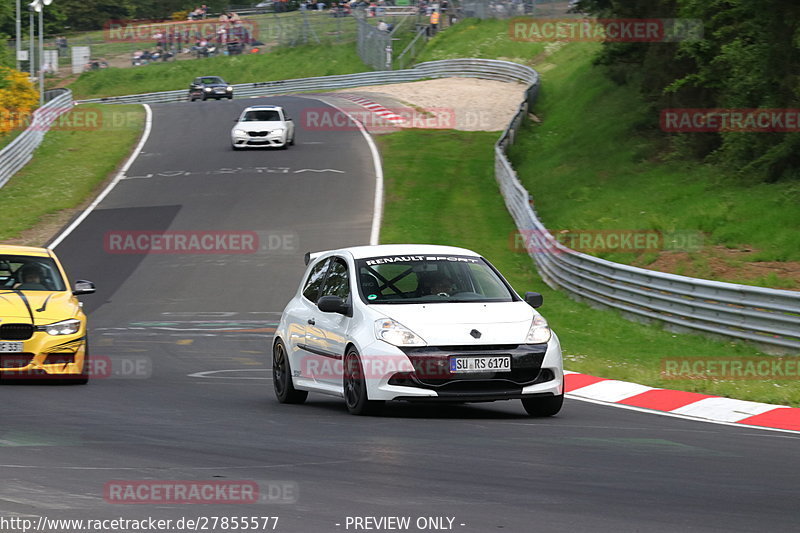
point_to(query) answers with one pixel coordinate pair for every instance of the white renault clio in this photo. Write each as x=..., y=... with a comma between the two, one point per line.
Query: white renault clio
x=414, y=323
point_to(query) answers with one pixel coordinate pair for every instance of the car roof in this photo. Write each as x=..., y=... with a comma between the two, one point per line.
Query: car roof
x=263, y=107
x=361, y=252
x=8, y=249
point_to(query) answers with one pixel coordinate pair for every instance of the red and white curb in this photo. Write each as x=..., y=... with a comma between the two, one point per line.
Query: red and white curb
x=376, y=108
x=679, y=403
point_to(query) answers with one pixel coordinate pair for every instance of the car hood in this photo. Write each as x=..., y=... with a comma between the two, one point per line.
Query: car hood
x=46, y=306
x=452, y=323
x=259, y=126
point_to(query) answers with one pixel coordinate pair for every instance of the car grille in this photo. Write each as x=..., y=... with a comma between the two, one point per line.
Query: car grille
x=16, y=332
x=432, y=365
x=15, y=360
x=258, y=133
x=59, y=358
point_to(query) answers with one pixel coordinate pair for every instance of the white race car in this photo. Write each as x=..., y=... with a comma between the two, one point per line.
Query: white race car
x=414, y=323
x=262, y=126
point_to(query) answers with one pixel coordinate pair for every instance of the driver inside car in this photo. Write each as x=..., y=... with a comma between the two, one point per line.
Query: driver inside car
x=31, y=279
x=436, y=284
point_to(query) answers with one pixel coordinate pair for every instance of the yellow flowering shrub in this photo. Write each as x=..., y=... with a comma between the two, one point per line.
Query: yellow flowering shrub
x=18, y=98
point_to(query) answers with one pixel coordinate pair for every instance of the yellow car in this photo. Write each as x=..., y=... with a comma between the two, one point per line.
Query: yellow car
x=42, y=323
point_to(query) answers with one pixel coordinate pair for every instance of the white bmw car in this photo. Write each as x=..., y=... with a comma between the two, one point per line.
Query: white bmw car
x=263, y=126
x=414, y=323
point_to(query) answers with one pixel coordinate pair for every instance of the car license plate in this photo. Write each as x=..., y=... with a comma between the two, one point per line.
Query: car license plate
x=488, y=363
x=10, y=347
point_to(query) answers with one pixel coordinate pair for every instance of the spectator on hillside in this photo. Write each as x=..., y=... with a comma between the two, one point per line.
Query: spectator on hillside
x=61, y=43
x=203, y=11
x=382, y=26
x=434, y=27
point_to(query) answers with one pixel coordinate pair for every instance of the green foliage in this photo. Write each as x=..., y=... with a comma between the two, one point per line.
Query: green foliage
x=749, y=57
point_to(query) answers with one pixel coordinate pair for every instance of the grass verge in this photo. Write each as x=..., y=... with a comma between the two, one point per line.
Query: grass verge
x=590, y=167
x=283, y=63
x=440, y=189
x=67, y=168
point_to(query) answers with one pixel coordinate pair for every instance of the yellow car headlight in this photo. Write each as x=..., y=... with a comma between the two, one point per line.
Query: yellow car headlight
x=65, y=327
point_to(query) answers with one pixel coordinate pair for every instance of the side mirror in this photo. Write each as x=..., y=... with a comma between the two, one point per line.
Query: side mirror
x=333, y=304
x=83, y=287
x=534, y=299
x=236, y=119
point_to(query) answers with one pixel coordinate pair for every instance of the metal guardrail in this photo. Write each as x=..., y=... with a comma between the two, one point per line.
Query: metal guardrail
x=769, y=317
x=475, y=68
x=19, y=151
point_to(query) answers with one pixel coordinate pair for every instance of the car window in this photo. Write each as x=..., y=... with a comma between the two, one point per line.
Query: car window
x=314, y=282
x=338, y=281
x=212, y=80
x=430, y=279
x=261, y=115
x=30, y=273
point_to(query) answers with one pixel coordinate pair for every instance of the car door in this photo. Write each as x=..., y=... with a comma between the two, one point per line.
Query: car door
x=327, y=336
x=289, y=126
x=301, y=316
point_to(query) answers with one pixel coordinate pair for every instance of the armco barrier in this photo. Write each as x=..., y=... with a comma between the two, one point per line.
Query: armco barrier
x=19, y=151
x=474, y=68
x=769, y=317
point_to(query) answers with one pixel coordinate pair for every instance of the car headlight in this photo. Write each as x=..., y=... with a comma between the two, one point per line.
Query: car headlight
x=239, y=132
x=207, y=89
x=539, y=332
x=395, y=333
x=229, y=89
x=65, y=327
x=278, y=131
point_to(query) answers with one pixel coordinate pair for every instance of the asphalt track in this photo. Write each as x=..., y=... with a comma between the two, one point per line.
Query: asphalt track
x=202, y=406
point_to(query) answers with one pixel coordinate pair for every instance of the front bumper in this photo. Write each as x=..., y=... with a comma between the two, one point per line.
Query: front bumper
x=267, y=141
x=46, y=355
x=423, y=374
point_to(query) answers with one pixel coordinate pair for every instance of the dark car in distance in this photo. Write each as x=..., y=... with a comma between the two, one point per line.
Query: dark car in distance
x=205, y=87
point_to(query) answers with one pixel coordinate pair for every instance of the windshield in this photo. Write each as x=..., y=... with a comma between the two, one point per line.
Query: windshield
x=209, y=81
x=261, y=115
x=29, y=273
x=430, y=279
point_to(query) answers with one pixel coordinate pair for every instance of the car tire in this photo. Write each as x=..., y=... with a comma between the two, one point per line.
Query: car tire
x=235, y=148
x=203, y=98
x=291, y=143
x=355, y=387
x=282, y=376
x=544, y=405
x=230, y=97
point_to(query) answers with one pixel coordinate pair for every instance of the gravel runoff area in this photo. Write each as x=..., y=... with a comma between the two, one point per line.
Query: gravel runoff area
x=467, y=104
